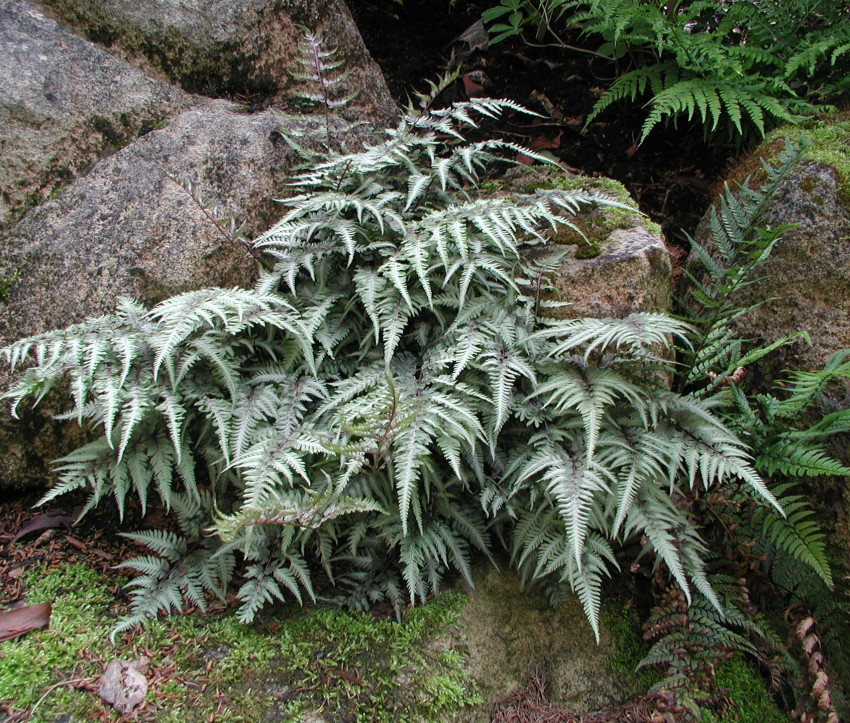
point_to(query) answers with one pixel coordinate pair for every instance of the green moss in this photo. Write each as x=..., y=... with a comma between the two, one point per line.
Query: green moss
x=829, y=137
x=591, y=228
x=748, y=691
x=350, y=666
x=629, y=649
x=29, y=665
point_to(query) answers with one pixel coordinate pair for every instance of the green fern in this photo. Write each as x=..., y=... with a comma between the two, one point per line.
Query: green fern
x=387, y=401
x=740, y=66
x=180, y=570
x=738, y=246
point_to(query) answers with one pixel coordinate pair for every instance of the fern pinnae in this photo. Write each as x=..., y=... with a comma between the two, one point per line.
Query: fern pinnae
x=796, y=533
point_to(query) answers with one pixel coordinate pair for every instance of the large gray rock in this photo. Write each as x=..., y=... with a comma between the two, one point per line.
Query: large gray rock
x=631, y=274
x=128, y=229
x=65, y=103
x=234, y=48
x=806, y=281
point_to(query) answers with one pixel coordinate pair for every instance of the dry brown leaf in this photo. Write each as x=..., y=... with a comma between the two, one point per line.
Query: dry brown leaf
x=48, y=521
x=123, y=684
x=19, y=621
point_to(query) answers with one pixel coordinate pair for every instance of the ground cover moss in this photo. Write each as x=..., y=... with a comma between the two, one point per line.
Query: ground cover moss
x=316, y=661
x=629, y=650
x=751, y=702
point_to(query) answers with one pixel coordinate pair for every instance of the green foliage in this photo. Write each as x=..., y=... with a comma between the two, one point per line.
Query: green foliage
x=739, y=246
x=629, y=648
x=29, y=664
x=770, y=421
x=388, y=401
x=737, y=66
x=7, y=281
x=784, y=425
x=688, y=641
x=751, y=702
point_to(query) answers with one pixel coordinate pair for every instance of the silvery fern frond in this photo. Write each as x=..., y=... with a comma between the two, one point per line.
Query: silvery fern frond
x=388, y=400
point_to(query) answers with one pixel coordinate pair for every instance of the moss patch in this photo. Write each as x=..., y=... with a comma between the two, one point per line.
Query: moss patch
x=591, y=227
x=629, y=650
x=298, y=662
x=829, y=136
x=748, y=691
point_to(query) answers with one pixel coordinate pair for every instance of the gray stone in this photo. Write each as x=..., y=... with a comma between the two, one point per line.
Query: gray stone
x=234, y=48
x=806, y=281
x=128, y=229
x=613, y=263
x=631, y=274
x=65, y=103
x=510, y=633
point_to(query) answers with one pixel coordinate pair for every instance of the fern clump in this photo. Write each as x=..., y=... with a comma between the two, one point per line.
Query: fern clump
x=739, y=67
x=389, y=400
x=782, y=562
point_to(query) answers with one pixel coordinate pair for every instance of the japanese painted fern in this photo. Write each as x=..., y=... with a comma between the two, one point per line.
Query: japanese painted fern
x=387, y=401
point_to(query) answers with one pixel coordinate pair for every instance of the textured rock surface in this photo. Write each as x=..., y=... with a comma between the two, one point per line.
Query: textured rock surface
x=807, y=278
x=632, y=273
x=617, y=265
x=510, y=634
x=127, y=229
x=65, y=103
x=231, y=48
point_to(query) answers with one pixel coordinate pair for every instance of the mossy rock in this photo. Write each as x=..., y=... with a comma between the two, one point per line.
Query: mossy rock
x=508, y=634
x=244, y=49
x=613, y=261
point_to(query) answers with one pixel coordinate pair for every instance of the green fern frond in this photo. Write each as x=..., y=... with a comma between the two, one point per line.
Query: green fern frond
x=797, y=534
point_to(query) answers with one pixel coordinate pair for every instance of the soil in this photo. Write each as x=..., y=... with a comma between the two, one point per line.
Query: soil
x=672, y=175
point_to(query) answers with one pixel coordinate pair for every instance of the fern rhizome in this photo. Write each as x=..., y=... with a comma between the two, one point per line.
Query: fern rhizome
x=387, y=401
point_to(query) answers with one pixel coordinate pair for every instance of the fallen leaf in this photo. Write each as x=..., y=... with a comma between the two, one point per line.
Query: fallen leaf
x=102, y=554
x=14, y=623
x=48, y=521
x=474, y=83
x=44, y=537
x=74, y=542
x=476, y=36
x=547, y=104
x=123, y=684
x=540, y=143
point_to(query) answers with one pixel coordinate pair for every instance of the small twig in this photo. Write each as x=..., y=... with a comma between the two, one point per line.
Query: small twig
x=28, y=714
x=232, y=238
